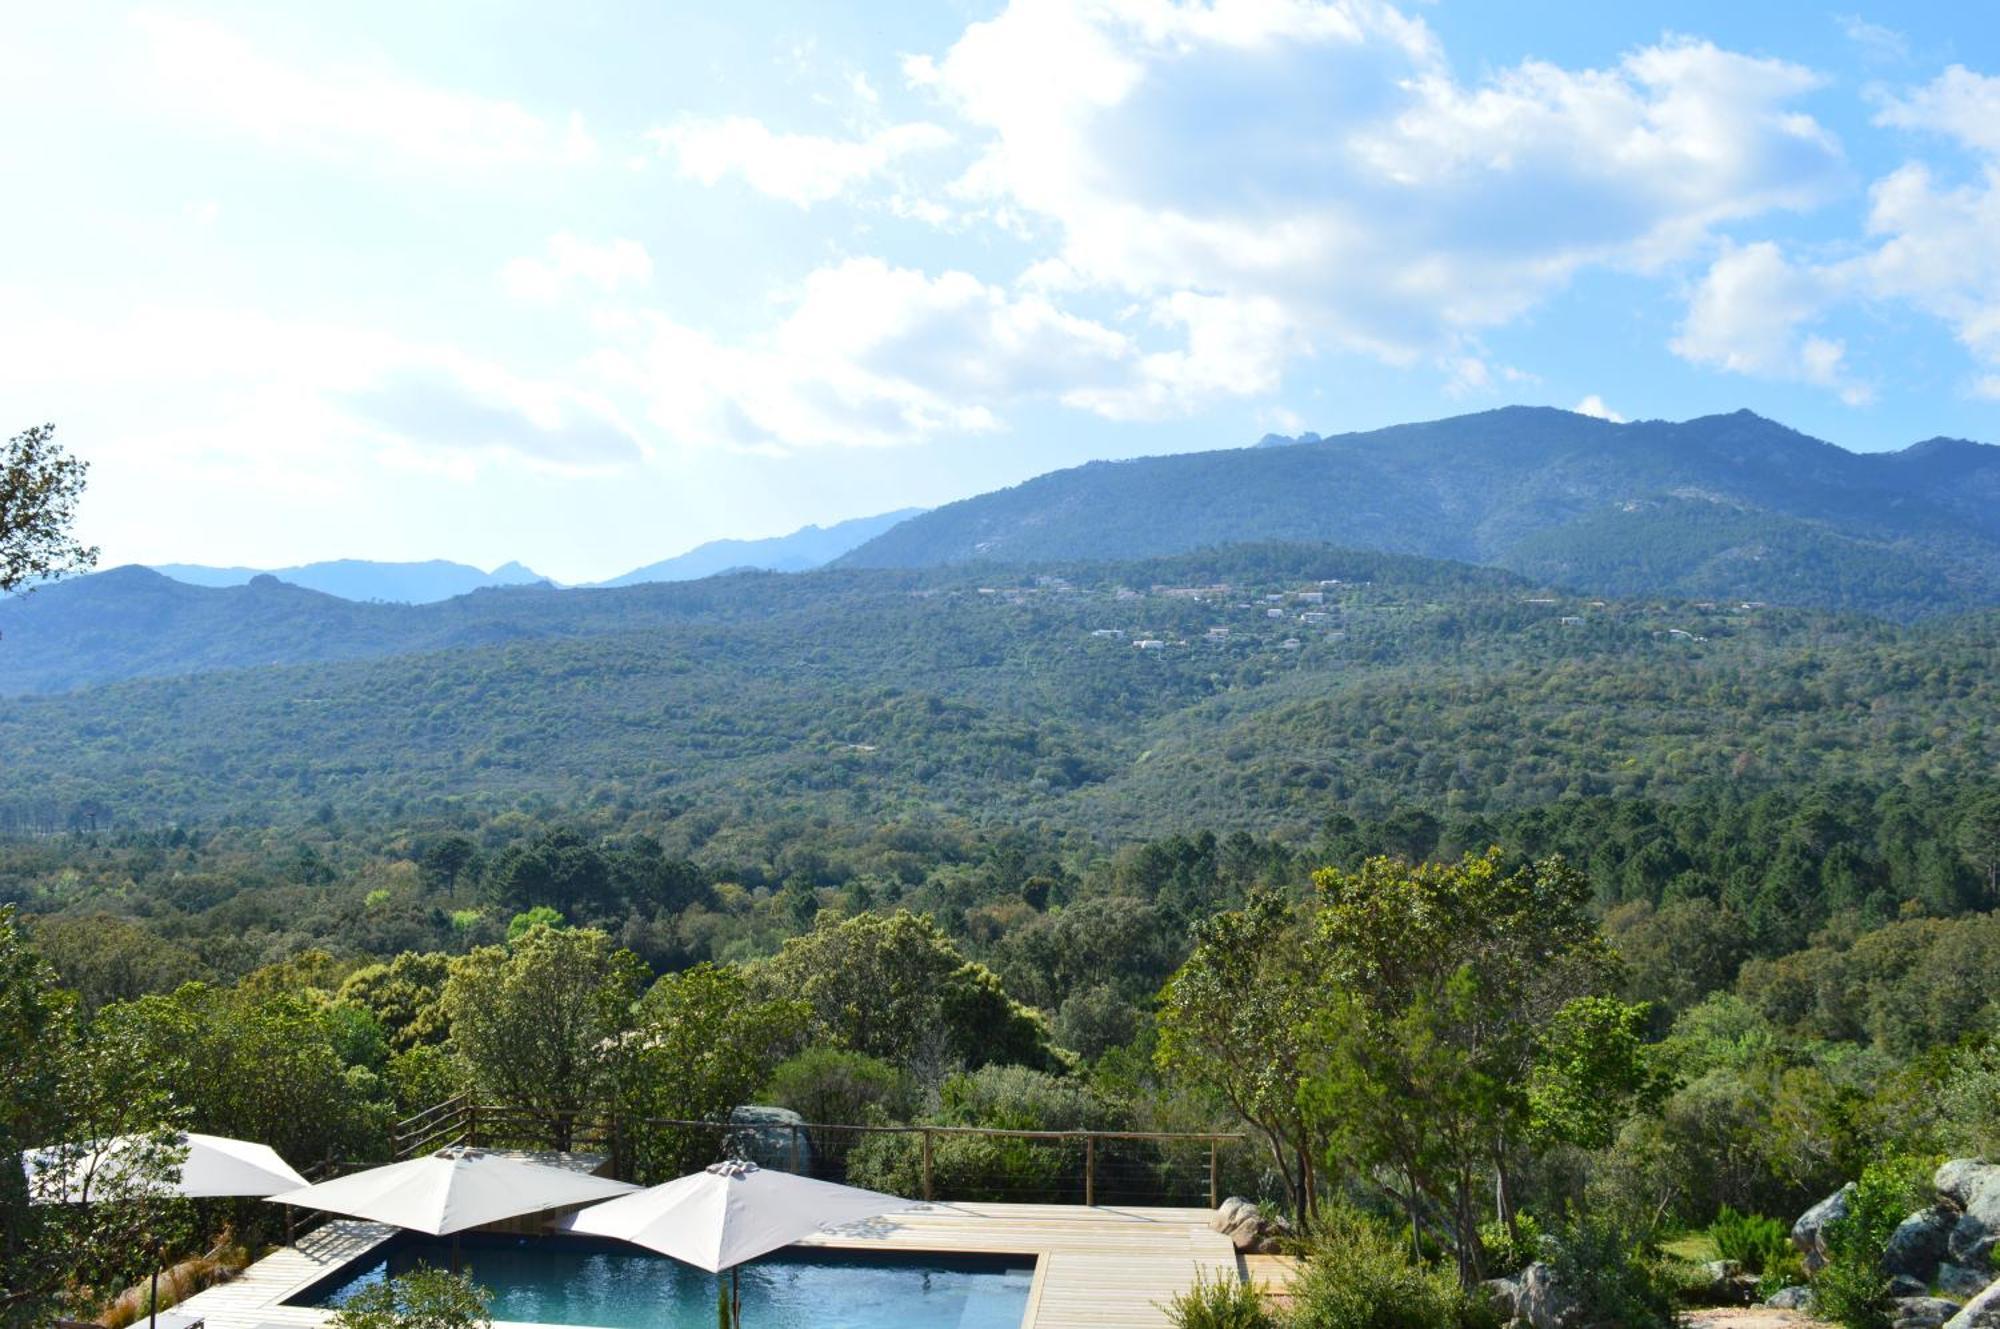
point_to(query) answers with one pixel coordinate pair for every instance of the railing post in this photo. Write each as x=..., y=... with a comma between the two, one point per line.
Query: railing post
x=1214, y=1174
x=927, y=1167
x=798, y=1151
x=1090, y=1171
x=472, y=1125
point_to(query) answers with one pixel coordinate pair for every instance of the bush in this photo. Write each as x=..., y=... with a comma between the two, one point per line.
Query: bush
x=1850, y=1288
x=1761, y=1245
x=1359, y=1275
x=1225, y=1303
x=837, y=1087
x=1509, y=1253
x=1610, y=1279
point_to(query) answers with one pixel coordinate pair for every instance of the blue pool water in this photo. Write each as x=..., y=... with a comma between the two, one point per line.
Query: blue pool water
x=582, y=1281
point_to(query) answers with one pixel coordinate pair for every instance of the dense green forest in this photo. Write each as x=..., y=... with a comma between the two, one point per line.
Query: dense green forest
x=1258, y=688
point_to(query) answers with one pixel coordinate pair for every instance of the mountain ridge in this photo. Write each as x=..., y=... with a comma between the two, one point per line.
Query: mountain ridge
x=1476, y=488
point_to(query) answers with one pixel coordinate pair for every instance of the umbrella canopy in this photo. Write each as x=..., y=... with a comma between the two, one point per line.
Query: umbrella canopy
x=730, y=1213
x=452, y=1190
x=215, y=1166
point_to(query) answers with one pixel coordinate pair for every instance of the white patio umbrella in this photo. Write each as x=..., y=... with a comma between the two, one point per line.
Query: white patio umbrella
x=215, y=1167
x=732, y=1212
x=452, y=1190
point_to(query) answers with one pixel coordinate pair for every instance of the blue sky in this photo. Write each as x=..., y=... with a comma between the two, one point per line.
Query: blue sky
x=585, y=285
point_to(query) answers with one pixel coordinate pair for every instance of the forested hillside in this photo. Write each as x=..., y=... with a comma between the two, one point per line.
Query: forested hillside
x=1256, y=688
x=1722, y=506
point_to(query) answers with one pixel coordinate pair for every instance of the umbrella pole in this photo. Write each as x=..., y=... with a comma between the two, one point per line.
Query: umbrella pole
x=153, y=1303
x=735, y=1298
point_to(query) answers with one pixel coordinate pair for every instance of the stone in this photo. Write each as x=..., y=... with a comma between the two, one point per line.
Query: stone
x=1982, y=1312
x=1543, y=1304
x=1919, y=1243
x=770, y=1137
x=1902, y=1285
x=1791, y=1299
x=1974, y=1187
x=1809, y=1233
x=1958, y=1281
x=1922, y=1312
x=1504, y=1295
x=1248, y=1228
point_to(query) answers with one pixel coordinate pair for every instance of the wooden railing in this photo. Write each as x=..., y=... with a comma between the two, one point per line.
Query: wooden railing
x=1120, y=1167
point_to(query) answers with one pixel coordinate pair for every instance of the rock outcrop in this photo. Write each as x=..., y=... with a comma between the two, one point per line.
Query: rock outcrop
x=1922, y=1312
x=1248, y=1228
x=1972, y=1188
x=1982, y=1312
x=1809, y=1233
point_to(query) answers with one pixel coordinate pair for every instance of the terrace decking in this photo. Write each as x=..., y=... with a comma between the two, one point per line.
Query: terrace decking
x=1110, y=1267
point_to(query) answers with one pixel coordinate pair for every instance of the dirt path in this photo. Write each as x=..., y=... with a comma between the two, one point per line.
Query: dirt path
x=1750, y=1317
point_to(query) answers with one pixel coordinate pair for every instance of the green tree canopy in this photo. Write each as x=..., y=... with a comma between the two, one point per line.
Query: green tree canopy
x=537, y=1022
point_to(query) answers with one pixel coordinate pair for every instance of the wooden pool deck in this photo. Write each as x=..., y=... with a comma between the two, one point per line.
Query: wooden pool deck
x=1113, y=1267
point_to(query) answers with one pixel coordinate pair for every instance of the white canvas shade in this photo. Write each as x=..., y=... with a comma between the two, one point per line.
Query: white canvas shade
x=452, y=1190
x=730, y=1213
x=215, y=1166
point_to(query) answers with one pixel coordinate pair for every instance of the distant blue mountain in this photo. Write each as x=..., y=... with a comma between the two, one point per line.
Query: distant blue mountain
x=801, y=551
x=362, y=579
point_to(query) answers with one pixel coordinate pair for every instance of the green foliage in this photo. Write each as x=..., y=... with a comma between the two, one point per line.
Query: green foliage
x=992, y=1168
x=537, y=1023
x=1510, y=1251
x=424, y=1298
x=824, y=1084
x=701, y=1044
x=255, y=1064
x=1761, y=1245
x=1970, y=1103
x=404, y=996
x=1610, y=1277
x=541, y=916
x=1224, y=1302
x=1233, y=1024
x=896, y=988
x=39, y=488
x=1850, y=1289
x=1360, y=1275
x=64, y=1094
x=1437, y=1049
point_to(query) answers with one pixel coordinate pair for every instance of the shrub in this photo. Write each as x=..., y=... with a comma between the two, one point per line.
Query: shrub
x=1225, y=1303
x=1610, y=1279
x=1359, y=1275
x=839, y=1087
x=1507, y=1252
x=1761, y=1245
x=1850, y=1288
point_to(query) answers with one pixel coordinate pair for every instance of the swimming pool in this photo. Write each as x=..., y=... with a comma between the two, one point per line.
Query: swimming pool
x=584, y=1281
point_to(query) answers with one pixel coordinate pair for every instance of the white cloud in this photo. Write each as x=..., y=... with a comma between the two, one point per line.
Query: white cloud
x=1929, y=246
x=803, y=169
x=1593, y=405
x=1958, y=103
x=608, y=267
x=208, y=70
x=1320, y=160
x=339, y=391
x=1752, y=312
x=867, y=354
x=1880, y=44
